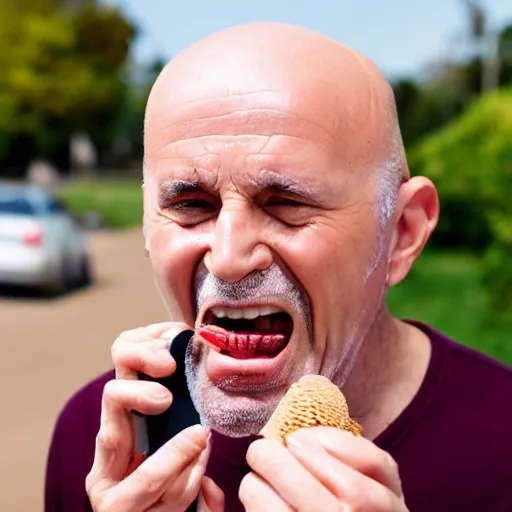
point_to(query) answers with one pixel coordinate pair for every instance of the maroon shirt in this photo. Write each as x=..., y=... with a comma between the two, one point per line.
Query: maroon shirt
x=453, y=443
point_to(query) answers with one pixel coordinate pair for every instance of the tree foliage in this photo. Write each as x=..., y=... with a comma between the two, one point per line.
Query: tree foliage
x=424, y=107
x=61, y=72
x=470, y=161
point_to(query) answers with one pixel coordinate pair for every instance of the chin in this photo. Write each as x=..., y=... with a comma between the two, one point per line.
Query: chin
x=238, y=406
x=233, y=415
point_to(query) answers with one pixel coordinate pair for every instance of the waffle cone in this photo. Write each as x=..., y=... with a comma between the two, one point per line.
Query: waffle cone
x=313, y=401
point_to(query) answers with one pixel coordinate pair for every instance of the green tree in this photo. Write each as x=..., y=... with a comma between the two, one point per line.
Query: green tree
x=470, y=160
x=423, y=109
x=426, y=107
x=56, y=79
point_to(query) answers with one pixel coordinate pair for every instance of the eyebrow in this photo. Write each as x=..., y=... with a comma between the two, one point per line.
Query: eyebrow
x=281, y=183
x=173, y=189
x=267, y=181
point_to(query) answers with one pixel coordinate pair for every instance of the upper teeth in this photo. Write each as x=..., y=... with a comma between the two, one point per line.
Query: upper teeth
x=245, y=313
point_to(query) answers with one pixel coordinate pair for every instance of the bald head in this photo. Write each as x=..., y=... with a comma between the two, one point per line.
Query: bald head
x=310, y=81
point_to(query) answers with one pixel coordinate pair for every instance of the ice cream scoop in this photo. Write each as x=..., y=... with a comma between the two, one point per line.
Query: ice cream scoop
x=313, y=401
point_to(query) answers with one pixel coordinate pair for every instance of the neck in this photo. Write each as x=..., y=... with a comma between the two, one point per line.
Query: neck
x=387, y=374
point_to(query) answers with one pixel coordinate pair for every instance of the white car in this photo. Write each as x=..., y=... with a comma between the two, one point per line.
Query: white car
x=41, y=244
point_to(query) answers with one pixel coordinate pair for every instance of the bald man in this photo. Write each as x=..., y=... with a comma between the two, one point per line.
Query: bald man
x=278, y=211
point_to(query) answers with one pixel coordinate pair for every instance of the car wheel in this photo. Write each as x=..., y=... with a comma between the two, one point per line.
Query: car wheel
x=85, y=276
x=59, y=286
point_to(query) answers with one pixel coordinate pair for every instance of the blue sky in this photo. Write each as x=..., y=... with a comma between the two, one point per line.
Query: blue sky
x=401, y=36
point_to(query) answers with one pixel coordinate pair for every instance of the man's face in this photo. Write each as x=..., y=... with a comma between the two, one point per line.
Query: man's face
x=262, y=222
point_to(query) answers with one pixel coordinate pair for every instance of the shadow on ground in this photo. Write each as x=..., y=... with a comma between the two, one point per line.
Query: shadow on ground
x=25, y=293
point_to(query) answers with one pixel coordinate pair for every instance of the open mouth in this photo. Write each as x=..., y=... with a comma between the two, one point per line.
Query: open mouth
x=245, y=333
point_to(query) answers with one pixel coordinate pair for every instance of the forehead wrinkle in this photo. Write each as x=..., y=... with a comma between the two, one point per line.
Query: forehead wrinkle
x=236, y=113
x=258, y=121
x=230, y=97
x=174, y=150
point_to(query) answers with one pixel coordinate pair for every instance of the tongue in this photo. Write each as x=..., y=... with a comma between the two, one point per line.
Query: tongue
x=243, y=345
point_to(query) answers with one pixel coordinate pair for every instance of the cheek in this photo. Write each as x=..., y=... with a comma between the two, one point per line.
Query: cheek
x=175, y=253
x=331, y=261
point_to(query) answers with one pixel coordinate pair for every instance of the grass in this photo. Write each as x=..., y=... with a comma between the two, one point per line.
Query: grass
x=118, y=201
x=443, y=289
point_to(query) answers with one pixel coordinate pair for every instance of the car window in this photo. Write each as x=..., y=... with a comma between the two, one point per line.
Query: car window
x=16, y=205
x=53, y=205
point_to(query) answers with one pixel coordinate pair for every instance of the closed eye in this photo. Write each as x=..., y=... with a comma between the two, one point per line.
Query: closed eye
x=289, y=211
x=191, y=204
x=190, y=211
x=284, y=201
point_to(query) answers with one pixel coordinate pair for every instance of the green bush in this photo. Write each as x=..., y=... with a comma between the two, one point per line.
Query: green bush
x=470, y=161
x=445, y=290
x=118, y=202
x=497, y=275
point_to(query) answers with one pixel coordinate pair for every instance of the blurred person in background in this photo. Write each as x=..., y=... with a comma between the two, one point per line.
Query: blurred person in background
x=276, y=185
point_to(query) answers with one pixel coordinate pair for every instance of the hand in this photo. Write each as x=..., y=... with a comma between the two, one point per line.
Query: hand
x=171, y=478
x=321, y=469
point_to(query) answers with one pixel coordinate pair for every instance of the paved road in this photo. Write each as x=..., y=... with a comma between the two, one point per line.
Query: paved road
x=48, y=349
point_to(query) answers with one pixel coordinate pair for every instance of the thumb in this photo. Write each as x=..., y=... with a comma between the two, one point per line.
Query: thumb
x=211, y=498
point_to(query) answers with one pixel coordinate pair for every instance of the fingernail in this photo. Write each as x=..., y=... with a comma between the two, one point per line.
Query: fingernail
x=162, y=395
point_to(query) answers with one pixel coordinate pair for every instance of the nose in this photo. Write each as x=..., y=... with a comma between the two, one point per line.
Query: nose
x=236, y=248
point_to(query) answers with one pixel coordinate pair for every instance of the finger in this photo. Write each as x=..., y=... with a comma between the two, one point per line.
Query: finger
x=212, y=498
x=185, y=489
x=289, y=478
x=150, y=331
x=151, y=357
x=145, y=397
x=256, y=495
x=347, y=484
x=148, y=483
x=164, y=331
x=114, y=442
x=355, y=451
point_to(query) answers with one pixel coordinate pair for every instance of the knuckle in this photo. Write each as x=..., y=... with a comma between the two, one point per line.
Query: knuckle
x=378, y=500
x=90, y=481
x=187, y=445
x=379, y=461
x=114, y=349
x=117, y=350
x=105, y=503
x=95, y=497
x=384, y=501
x=107, y=441
x=356, y=496
x=129, y=356
x=110, y=390
x=149, y=480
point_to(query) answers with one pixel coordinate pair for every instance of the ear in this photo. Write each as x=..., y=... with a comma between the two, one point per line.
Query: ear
x=416, y=216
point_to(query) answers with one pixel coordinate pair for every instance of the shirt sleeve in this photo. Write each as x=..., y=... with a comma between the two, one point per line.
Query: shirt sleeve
x=71, y=451
x=53, y=483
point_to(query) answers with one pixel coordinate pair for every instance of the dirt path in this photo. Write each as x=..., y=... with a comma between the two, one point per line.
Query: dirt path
x=48, y=349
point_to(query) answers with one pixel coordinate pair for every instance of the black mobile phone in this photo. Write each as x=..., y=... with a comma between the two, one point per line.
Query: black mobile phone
x=157, y=430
